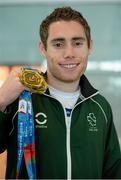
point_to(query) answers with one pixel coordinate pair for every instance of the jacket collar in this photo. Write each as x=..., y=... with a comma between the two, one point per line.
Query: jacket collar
x=87, y=89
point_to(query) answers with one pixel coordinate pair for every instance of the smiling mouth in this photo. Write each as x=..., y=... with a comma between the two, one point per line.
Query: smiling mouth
x=69, y=66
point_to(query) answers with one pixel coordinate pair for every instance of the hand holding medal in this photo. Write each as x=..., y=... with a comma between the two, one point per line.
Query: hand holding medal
x=32, y=79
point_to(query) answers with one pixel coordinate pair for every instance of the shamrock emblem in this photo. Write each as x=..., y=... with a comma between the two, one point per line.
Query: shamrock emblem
x=91, y=119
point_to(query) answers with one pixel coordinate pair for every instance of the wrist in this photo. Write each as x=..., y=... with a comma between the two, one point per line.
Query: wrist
x=2, y=104
x=2, y=107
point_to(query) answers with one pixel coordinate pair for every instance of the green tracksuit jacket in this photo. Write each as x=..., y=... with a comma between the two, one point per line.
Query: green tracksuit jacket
x=88, y=148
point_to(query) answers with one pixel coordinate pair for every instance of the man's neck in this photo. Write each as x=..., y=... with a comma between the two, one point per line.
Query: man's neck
x=63, y=86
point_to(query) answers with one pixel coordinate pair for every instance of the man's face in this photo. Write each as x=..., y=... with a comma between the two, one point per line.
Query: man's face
x=67, y=51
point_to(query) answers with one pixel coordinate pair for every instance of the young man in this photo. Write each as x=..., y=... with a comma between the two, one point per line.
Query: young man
x=75, y=135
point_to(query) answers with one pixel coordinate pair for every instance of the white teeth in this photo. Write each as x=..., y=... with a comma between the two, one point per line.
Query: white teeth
x=69, y=65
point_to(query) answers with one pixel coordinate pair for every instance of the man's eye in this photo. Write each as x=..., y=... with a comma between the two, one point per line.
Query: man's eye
x=78, y=43
x=58, y=45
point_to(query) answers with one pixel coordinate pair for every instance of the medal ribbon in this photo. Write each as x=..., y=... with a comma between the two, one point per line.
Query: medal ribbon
x=26, y=136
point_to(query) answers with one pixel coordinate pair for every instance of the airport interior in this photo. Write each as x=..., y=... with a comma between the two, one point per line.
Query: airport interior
x=19, y=36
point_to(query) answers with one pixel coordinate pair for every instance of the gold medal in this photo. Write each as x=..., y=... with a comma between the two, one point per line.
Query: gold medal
x=32, y=79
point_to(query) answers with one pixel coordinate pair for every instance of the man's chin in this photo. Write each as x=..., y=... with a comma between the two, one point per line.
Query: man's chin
x=69, y=80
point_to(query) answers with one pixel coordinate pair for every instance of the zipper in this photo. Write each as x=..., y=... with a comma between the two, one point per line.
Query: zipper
x=68, y=149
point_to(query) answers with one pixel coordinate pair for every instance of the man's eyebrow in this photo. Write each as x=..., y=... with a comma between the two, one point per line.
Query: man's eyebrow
x=57, y=39
x=79, y=38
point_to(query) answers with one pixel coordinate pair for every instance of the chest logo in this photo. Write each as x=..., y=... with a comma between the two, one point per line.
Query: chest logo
x=41, y=120
x=92, y=122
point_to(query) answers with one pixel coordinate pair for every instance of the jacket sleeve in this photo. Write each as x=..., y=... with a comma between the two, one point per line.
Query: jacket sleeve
x=112, y=156
x=4, y=130
x=6, y=125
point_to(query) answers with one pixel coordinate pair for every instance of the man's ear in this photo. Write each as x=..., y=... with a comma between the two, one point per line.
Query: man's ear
x=91, y=46
x=42, y=48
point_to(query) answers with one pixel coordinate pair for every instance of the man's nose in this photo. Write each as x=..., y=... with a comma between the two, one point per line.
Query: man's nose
x=69, y=51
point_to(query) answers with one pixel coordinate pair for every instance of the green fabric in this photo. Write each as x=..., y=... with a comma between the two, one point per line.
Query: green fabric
x=95, y=151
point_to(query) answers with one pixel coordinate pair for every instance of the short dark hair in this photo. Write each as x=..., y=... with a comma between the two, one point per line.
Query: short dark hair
x=66, y=14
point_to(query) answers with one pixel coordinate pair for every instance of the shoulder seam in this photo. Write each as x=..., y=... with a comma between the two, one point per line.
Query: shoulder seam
x=101, y=109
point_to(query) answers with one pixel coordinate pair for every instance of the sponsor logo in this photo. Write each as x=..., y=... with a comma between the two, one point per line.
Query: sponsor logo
x=92, y=122
x=41, y=120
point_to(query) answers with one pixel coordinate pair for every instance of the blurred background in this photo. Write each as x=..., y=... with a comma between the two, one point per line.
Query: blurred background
x=19, y=35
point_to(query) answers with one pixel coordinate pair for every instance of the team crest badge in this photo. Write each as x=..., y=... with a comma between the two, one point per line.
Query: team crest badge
x=92, y=122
